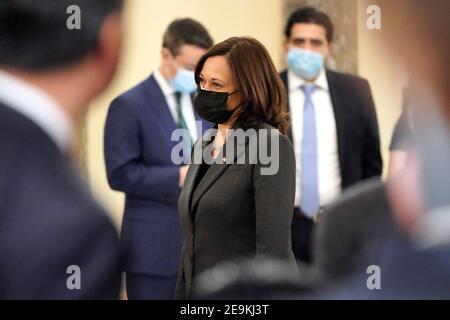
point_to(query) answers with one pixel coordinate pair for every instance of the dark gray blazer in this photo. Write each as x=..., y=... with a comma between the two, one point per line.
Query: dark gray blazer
x=238, y=212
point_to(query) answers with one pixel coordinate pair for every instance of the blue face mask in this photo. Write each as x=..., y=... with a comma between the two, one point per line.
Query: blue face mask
x=184, y=81
x=304, y=63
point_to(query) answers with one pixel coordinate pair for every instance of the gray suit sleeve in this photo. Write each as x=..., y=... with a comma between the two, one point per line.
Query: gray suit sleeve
x=274, y=201
x=180, y=291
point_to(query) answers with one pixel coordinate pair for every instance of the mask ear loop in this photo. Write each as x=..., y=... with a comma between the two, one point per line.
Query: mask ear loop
x=239, y=105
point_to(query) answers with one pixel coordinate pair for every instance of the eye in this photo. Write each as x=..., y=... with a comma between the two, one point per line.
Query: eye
x=202, y=81
x=217, y=85
x=316, y=43
x=299, y=42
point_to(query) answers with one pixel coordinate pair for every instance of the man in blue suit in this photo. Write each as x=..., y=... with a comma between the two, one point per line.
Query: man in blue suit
x=138, y=155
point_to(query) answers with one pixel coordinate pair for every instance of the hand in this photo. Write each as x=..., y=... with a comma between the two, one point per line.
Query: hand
x=183, y=172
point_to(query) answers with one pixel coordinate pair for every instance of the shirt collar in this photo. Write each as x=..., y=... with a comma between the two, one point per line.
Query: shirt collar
x=36, y=105
x=295, y=82
x=166, y=88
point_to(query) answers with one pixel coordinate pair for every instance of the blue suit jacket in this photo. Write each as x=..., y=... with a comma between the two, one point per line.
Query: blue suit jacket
x=138, y=150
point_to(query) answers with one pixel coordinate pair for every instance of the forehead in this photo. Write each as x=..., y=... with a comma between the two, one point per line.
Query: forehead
x=308, y=31
x=190, y=53
x=217, y=67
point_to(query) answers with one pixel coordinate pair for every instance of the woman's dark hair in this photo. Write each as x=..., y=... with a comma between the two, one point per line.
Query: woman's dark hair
x=263, y=92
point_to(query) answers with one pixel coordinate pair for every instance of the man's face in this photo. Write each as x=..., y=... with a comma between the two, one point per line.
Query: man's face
x=309, y=36
x=188, y=56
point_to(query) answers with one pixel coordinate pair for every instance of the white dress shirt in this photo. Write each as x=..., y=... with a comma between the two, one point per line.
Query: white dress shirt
x=187, y=108
x=329, y=174
x=39, y=107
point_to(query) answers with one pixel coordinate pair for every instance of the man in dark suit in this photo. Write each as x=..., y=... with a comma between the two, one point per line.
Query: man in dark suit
x=140, y=153
x=55, y=240
x=333, y=124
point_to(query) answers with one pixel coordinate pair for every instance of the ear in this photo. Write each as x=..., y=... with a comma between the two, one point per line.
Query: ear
x=165, y=54
x=286, y=45
x=330, y=48
x=109, y=48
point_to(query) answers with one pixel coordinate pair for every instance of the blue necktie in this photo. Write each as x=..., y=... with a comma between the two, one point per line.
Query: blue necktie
x=309, y=201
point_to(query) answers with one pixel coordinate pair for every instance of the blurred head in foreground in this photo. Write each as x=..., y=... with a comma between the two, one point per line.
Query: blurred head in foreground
x=423, y=49
x=56, y=242
x=69, y=49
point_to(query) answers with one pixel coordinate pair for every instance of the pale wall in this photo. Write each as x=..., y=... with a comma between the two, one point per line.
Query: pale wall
x=385, y=74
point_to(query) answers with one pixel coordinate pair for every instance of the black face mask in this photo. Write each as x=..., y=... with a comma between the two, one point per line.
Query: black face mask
x=212, y=106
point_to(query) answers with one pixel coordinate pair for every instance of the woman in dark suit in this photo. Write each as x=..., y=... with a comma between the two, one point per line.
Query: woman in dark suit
x=234, y=204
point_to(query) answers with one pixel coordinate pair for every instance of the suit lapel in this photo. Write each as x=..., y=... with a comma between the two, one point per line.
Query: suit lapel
x=193, y=171
x=215, y=171
x=284, y=78
x=160, y=106
x=340, y=116
x=187, y=197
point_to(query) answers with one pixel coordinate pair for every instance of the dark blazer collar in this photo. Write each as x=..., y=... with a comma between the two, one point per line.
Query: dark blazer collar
x=340, y=115
x=159, y=104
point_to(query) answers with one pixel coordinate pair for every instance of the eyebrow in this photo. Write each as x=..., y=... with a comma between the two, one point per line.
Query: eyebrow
x=304, y=39
x=212, y=79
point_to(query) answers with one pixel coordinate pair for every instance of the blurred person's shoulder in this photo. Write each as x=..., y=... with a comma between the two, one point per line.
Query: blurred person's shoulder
x=351, y=88
x=345, y=77
x=365, y=199
x=132, y=97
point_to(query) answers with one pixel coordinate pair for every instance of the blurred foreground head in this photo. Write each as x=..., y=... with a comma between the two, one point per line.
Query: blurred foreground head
x=249, y=279
x=417, y=36
x=62, y=45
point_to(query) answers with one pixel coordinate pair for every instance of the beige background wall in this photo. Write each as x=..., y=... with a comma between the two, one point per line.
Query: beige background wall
x=385, y=74
x=262, y=19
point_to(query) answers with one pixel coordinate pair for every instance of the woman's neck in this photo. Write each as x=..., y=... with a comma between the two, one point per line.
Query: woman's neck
x=223, y=129
x=222, y=132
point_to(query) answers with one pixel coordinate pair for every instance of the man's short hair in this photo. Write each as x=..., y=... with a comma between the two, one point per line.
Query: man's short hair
x=34, y=33
x=186, y=31
x=310, y=15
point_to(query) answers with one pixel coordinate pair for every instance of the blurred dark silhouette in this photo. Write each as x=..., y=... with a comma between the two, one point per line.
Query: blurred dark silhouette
x=56, y=242
x=258, y=278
